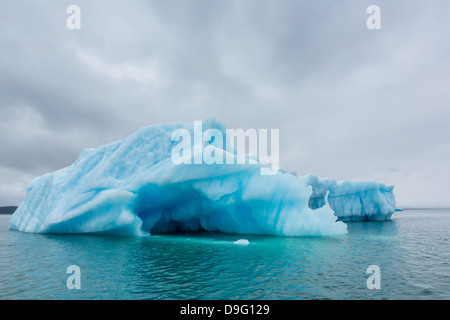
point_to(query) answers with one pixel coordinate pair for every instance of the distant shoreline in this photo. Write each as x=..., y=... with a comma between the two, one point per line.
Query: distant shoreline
x=425, y=208
x=12, y=209
x=8, y=209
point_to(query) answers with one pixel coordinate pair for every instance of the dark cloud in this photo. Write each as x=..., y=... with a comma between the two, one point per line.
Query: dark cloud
x=350, y=103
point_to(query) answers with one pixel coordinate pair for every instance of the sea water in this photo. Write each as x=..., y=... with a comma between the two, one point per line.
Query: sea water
x=412, y=253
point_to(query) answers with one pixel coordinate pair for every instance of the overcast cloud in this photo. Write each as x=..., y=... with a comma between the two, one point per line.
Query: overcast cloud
x=350, y=103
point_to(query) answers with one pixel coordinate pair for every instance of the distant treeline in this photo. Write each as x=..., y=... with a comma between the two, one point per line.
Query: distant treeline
x=7, y=210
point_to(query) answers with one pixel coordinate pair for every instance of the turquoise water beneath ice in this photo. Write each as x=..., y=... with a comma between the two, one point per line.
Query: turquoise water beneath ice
x=412, y=251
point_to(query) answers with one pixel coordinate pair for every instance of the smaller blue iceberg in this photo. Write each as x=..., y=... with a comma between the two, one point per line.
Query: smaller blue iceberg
x=133, y=187
x=352, y=200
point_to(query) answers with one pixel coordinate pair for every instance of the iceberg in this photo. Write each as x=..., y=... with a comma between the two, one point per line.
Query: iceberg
x=352, y=200
x=133, y=187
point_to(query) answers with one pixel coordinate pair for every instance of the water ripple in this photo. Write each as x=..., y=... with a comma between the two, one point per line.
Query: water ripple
x=412, y=252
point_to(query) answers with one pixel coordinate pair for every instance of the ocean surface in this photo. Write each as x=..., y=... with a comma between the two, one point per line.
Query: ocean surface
x=412, y=252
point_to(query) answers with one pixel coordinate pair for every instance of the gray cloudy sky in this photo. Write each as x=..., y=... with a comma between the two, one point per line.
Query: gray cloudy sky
x=350, y=103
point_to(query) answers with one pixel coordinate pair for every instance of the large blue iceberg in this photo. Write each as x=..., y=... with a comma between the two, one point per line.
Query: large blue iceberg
x=133, y=187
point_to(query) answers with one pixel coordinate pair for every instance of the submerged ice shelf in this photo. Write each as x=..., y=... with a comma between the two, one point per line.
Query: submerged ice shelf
x=133, y=187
